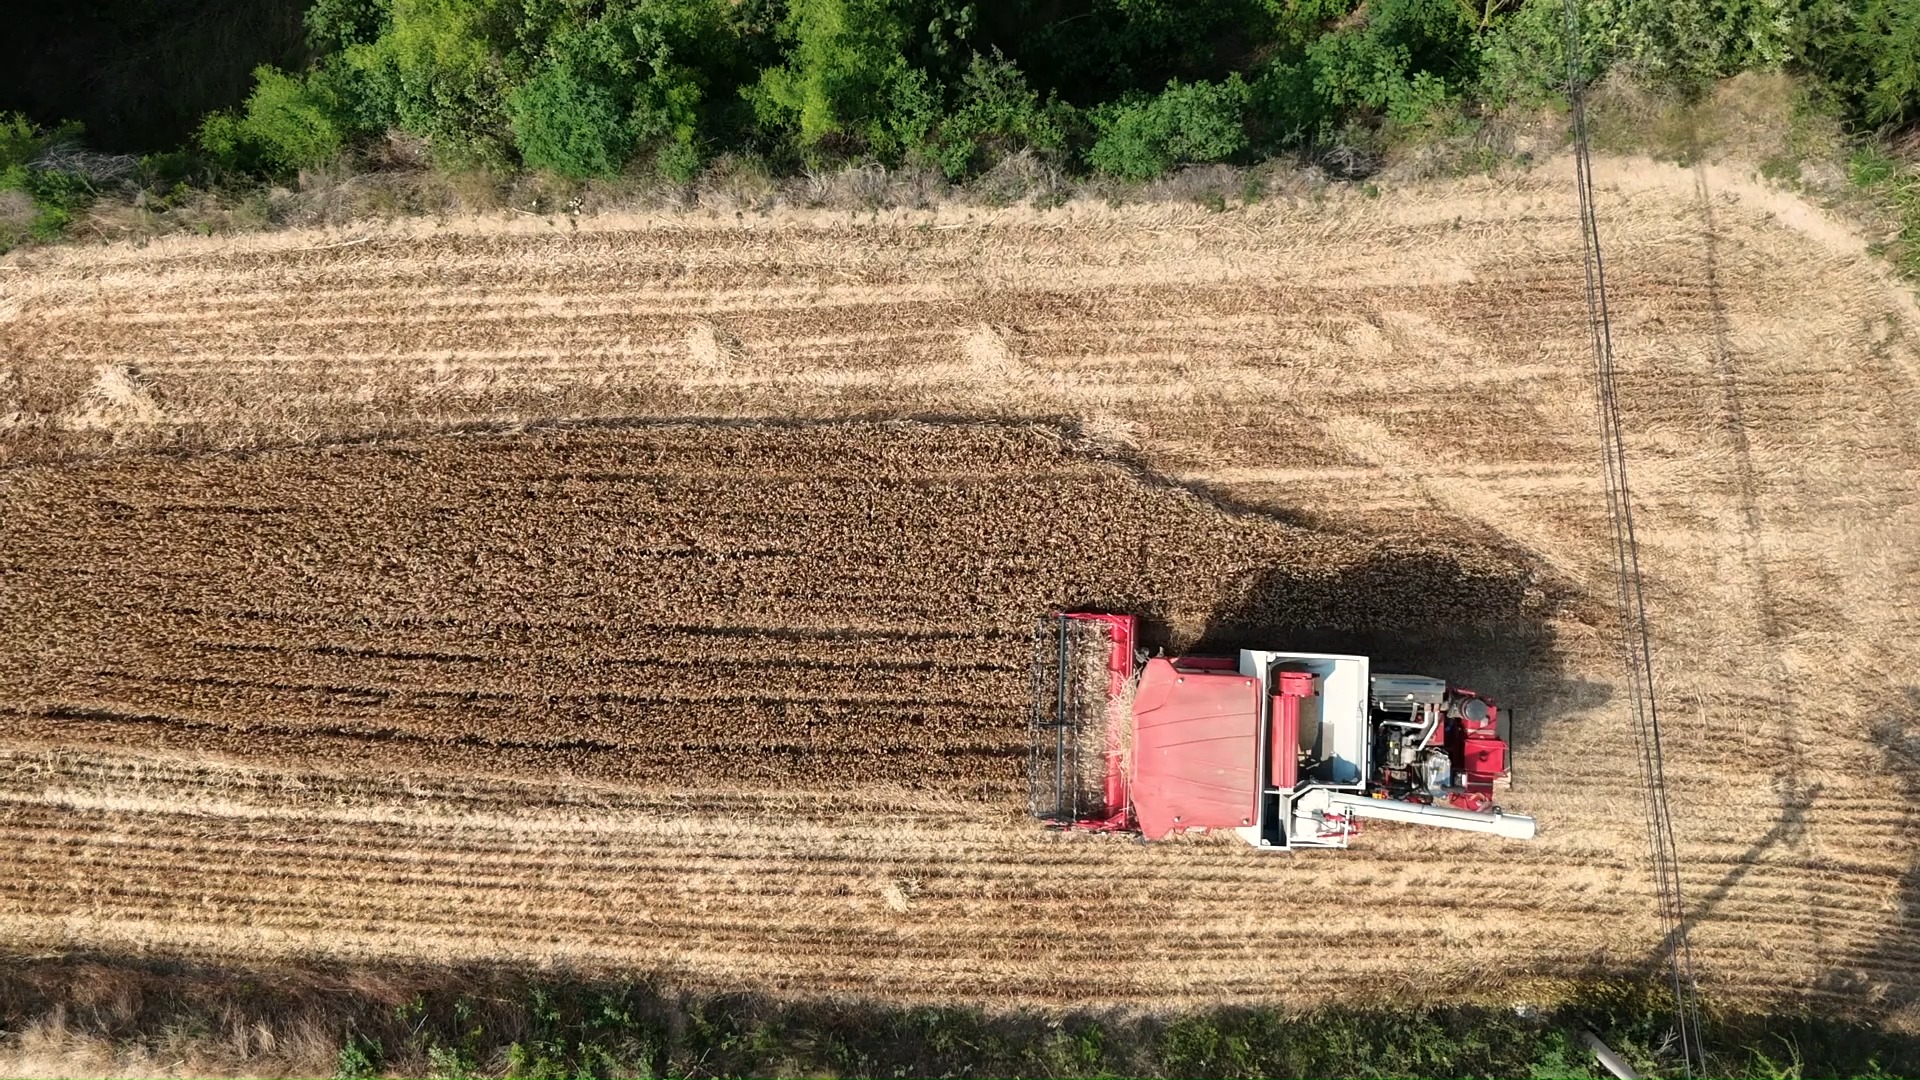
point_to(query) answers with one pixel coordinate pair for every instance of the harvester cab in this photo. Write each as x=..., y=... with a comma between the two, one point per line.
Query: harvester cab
x=1284, y=749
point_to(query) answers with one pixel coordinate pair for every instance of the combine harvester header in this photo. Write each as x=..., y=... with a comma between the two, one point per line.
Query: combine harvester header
x=1285, y=749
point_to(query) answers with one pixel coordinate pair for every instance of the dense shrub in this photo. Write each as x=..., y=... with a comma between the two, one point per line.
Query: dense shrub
x=288, y=123
x=1868, y=53
x=55, y=195
x=439, y=72
x=1130, y=88
x=1098, y=51
x=997, y=114
x=1523, y=58
x=619, y=82
x=1183, y=124
x=1409, y=58
x=338, y=24
x=845, y=75
x=1284, y=109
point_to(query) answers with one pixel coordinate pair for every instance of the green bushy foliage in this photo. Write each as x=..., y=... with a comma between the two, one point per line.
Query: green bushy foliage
x=1672, y=43
x=873, y=76
x=1098, y=51
x=1409, y=59
x=358, y=1059
x=624, y=80
x=1684, y=45
x=1131, y=88
x=20, y=140
x=439, y=72
x=1868, y=53
x=1523, y=59
x=333, y=25
x=1438, y=35
x=845, y=73
x=1184, y=124
x=1297, y=22
x=997, y=114
x=1284, y=109
x=568, y=123
x=1887, y=34
x=56, y=195
x=289, y=123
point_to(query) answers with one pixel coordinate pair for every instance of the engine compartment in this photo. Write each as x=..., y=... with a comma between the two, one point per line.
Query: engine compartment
x=1435, y=743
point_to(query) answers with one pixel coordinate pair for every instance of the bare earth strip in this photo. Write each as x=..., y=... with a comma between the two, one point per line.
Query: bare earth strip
x=575, y=595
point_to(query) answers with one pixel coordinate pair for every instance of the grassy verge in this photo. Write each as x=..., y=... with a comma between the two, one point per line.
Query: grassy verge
x=141, y=199
x=1894, y=187
x=80, y=1015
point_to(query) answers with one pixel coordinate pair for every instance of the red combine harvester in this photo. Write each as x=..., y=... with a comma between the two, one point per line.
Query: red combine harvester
x=1285, y=749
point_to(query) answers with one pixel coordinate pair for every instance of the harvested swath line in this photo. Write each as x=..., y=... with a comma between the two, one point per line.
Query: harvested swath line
x=740, y=932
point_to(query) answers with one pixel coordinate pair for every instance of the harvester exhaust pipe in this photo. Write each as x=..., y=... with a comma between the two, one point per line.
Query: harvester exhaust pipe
x=1512, y=826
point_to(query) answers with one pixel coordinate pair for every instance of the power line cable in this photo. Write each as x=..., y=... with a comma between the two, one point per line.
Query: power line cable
x=1636, y=637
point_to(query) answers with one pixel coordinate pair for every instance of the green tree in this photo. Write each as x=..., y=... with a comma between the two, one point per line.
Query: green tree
x=844, y=71
x=288, y=123
x=997, y=114
x=440, y=72
x=569, y=124
x=1186, y=123
x=1097, y=51
x=1284, y=109
x=1523, y=57
x=1408, y=59
x=57, y=195
x=333, y=25
x=625, y=80
x=1881, y=60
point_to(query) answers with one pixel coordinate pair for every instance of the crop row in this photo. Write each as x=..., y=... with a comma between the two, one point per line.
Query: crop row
x=835, y=603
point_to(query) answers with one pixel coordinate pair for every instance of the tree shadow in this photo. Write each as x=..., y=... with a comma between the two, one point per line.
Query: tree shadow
x=416, y=1020
x=1883, y=976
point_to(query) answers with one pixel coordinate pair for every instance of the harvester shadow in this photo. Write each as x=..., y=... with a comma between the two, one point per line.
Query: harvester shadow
x=1486, y=627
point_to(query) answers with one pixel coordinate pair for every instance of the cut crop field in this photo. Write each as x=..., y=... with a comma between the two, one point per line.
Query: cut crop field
x=655, y=595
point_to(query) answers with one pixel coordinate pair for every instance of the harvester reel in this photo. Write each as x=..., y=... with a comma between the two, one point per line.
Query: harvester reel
x=1084, y=668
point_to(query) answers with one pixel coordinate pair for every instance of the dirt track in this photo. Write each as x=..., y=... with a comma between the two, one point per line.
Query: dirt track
x=464, y=692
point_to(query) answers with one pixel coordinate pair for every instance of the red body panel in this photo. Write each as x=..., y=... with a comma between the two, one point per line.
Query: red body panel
x=1483, y=760
x=1286, y=737
x=1478, y=752
x=1195, y=750
x=1284, y=747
